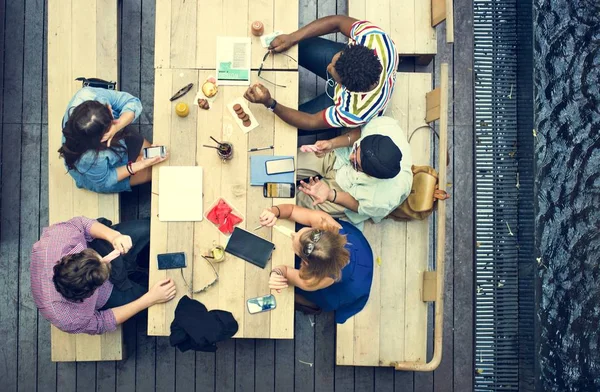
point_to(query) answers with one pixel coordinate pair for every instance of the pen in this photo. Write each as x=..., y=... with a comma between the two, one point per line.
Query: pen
x=260, y=149
x=257, y=227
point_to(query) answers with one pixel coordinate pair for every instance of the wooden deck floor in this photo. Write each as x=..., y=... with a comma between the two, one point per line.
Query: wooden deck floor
x=303, y=364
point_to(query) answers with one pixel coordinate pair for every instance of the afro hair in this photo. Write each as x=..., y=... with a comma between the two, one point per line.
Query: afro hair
x=359, y=68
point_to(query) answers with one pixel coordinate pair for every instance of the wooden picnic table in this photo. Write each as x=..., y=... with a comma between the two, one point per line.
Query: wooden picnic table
x=186, y=30
x=184, y=137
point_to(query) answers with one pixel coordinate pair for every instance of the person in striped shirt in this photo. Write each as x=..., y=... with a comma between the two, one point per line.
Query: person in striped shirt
x=360, y=76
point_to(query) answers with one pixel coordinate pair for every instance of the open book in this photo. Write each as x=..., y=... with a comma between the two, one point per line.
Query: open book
x=233, y=61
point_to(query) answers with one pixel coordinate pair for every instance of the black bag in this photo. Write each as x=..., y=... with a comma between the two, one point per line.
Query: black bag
x=98, y=83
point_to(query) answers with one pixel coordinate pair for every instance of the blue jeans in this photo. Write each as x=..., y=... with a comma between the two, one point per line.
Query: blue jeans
x=315, y=54
x=124, y=269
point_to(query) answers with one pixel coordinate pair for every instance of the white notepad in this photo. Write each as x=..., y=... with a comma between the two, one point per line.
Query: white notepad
x=180, y=194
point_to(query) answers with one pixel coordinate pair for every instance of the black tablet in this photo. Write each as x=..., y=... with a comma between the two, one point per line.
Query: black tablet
x=250, y=247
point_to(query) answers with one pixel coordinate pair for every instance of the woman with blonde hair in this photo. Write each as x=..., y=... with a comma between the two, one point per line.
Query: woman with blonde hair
x=334, y=262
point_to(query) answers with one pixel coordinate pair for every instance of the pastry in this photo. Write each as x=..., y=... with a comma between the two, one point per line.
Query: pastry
x=245, y=118
x=209, y=89
x=237, y=107
x=247, y=123
x=203, y=103
x=241, y=115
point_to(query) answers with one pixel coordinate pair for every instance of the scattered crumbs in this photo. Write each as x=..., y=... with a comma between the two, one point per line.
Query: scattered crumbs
x=378, y=260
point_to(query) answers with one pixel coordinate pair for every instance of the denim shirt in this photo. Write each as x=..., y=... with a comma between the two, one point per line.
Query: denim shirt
x=97, y=171
x=377, y=198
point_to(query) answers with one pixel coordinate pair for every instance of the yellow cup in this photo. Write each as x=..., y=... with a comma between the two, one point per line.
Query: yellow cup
x=218, y=253
x=182, y=109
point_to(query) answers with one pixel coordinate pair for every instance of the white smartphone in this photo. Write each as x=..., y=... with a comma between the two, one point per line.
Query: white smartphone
x=276, y=166
x=261, y=304
x=151, y=152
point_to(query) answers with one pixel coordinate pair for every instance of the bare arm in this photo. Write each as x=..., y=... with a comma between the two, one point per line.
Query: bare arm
x=321, y=26
x=344, y=199
x=125, y=312
x=293, y=276
x=304, y=216
x=298, y=119
x=98, y=230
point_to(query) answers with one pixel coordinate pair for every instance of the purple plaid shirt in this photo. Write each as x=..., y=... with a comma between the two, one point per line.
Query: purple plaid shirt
x=57, y=241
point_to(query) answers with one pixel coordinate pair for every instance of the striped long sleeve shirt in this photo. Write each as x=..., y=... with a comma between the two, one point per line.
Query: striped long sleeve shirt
x=352, y=109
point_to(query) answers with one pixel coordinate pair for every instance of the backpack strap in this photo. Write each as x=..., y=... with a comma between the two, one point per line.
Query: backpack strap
x=96, y=82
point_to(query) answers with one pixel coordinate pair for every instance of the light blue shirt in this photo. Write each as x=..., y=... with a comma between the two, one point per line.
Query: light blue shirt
x=97, y=171
x=376, y=197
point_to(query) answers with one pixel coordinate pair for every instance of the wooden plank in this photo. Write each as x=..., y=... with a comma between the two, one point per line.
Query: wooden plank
x=393, y=284
x=245, y=355
x=364, y=379
x=344, y=378
x=404, y=29
x=129, y=76
x=146, y=354
x=165, y=366
x=384, y=379
x=366, y=334
x=438, y=12
x=264, y=367
x=13, y=62
x=28, y=233
x=425, y=38
x=285, y=142
x=66, y=377
x=324, y=352
x=162, y=46
x=147, y=62
x=205, y=371
x=123, y=372
x=158, y=230
x=307, y=80
x=378, y=12
x=462, y=129
x=403, y=381
x=429, y=286
x=211, y=17
x=9, y=253
x=417, y=231
x=256, y=282
x=33, y=70
x=284, y=364
x=106, y=376
x=304, y=336
x=185, y=367
x=2, y=44
x=450, y=21
x=86, y=376
x=183, y=33
x=225, y=367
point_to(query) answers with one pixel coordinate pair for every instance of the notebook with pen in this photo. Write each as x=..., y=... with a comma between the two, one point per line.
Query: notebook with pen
x=258, y=172
x=250, y=247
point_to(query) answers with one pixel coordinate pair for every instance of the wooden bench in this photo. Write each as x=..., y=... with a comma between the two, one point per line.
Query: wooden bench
x=82, y=41
x=392, y=328
x=410, y=23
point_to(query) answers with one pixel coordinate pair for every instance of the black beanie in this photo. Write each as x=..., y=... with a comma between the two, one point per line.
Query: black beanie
x=380, y=157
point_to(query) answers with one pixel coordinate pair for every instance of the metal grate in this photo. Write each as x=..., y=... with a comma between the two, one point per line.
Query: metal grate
x=496, y=196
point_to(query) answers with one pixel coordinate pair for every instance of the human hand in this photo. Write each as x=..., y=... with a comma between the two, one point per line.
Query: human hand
x=277, y=280
x=122, y=243
x=316, y=189
x=145, y=163
x=162, y=291
x=257, y=93
x=112, y=131
x=282, y=42
x=323, y=147
x=267, y=218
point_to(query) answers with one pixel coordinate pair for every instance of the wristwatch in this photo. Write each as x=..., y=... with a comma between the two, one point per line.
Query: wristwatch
x=272, y=107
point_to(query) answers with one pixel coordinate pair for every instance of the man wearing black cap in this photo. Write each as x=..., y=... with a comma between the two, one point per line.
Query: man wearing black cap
x=366, y=173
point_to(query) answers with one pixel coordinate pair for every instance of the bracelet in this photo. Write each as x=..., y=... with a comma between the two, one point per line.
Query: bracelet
x=278, y=211
x=334, y=195
x=130, y=168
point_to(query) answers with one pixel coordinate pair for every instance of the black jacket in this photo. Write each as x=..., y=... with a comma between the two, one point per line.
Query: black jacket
x=195, y=328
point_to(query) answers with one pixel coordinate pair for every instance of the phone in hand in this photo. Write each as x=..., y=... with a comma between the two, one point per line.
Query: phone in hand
x=279, y=189
x=277, y=166
x=152, y=152
x=261, y=304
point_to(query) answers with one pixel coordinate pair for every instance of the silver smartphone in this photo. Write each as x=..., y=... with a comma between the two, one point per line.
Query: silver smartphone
x=151, y=152
x=276, y=166
x=261, y=304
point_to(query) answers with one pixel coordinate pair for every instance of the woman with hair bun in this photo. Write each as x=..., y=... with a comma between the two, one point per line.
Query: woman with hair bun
x=333, y=266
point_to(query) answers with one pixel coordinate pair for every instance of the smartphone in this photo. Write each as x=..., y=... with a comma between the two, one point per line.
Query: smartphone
x=261, y=304
x=276, y=166
x=171, y=260
x=151, y=152
x=279, y=189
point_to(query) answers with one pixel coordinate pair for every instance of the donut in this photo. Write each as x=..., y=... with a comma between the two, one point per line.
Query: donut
x=209, y=89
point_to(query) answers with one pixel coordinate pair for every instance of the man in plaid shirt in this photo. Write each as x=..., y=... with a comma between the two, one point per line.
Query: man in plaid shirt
x=70, y=281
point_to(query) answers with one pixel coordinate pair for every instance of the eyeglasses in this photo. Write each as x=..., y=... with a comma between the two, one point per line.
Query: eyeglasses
x=213, y=281
x=260, y=69
x=314, y=237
